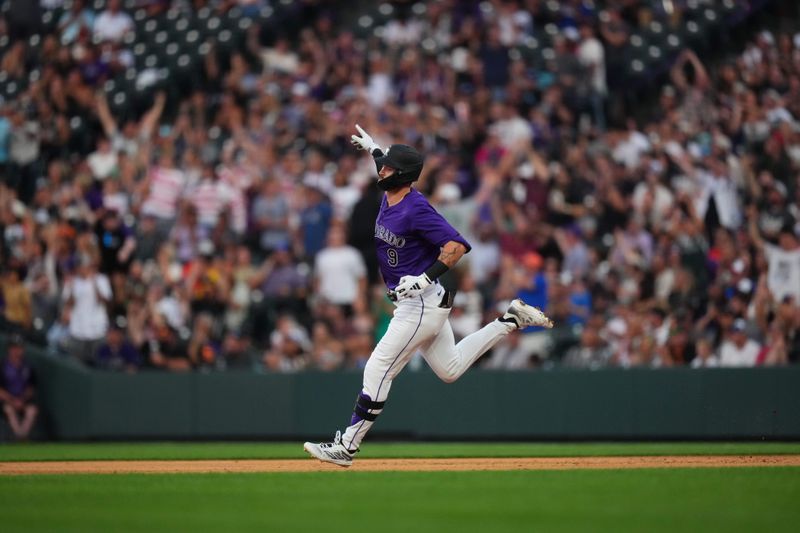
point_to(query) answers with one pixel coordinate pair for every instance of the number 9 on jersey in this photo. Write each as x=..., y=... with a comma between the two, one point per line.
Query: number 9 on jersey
x=392, y=257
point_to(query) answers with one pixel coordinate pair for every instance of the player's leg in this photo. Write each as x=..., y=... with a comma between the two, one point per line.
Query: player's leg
x=449, y=360
x=413, y=323
x=411, y=327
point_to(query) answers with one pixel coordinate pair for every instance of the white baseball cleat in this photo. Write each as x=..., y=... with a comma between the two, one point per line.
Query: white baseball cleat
x=524, y=315
x=331, y=452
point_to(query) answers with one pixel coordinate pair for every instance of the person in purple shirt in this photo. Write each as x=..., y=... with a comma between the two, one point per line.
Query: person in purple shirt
x=117, y=353
x=415, y=245
x=17, y=389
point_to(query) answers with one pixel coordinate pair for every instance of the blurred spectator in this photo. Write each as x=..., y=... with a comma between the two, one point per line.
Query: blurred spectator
x=77, y=20
x=116, y=243
x=112, y=24
x=328, y=351
x=18, y=389
x=290, y=347
x=315, y=219
x=467, y=312
x=271, y=217
x=592, y=352
x=281, y=288
x=117, y=353
x=783, y=274
x=738, y=349
x=24, y=150
x=17, y=310
x=24, y=18
x=86, y=293
x=339, y=272
x=204, y=350
x=165, y=350
x=704, y=355
x=592, y=57
x=653, y=222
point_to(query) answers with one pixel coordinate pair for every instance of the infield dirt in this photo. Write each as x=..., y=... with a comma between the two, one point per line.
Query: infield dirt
x=386, y=465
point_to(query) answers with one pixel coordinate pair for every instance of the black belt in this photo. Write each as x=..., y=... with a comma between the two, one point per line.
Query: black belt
x=446, y=303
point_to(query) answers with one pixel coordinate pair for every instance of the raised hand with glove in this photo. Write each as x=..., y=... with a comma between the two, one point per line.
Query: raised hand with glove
x=364, y=141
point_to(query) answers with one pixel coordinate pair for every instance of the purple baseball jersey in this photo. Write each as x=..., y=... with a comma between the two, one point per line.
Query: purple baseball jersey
x=409, y=236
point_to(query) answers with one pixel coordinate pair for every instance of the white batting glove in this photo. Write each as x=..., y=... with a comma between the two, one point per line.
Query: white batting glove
x=411, y=286
x=364, y=142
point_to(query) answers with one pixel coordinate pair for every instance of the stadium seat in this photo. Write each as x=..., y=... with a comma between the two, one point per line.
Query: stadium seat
x=109, y=88
x=191, y=40
x=34, y=76
x=168, y=54
x=139, y=17
x=179, y=29
x=673, y=43
x=119, y=104
x=693, y=33
x=655, y=54
x=728, y=8
x=364, y=27
x=655, y=32
x=172, y=16
x=202, y=15
x=49, y=21
x=212, y=26
x=184, y=73
x=380, y=15
x=637, y=47
x=243, y=25
x=149, y=29
x=551, y=30
x=129, y=40
x=151, y=61
x=636, y=68
x=139, y=52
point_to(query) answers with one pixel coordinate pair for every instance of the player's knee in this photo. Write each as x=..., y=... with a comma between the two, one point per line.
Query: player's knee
x=449, y=376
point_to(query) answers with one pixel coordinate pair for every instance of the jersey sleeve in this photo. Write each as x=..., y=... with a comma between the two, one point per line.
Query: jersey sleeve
x=433, y=227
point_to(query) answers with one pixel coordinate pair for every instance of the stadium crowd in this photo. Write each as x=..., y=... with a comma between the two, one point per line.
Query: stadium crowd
x=234, y=227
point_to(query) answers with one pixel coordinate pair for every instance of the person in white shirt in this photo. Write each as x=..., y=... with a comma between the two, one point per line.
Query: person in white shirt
x=783, y=261
x=113, y=23
x=592, y=56
x=716, y=185
x=738, y=350
x=86, y=294
x=103, y=161
x=340, y=275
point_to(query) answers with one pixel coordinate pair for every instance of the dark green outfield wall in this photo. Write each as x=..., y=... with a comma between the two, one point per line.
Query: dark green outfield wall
x=608, y=404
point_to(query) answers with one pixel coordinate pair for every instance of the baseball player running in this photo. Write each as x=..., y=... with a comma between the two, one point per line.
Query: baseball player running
x=415, y=246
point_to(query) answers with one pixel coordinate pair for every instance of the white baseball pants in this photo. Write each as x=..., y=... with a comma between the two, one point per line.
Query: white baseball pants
x=417, y=324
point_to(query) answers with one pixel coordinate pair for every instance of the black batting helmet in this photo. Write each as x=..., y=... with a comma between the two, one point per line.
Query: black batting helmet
x=407, y=165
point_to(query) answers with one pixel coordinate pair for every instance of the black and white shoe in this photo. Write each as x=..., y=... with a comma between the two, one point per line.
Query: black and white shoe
x=524, y=315
x=331, y=452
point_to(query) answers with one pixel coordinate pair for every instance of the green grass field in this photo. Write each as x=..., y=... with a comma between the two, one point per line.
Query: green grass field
x=732, y=499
